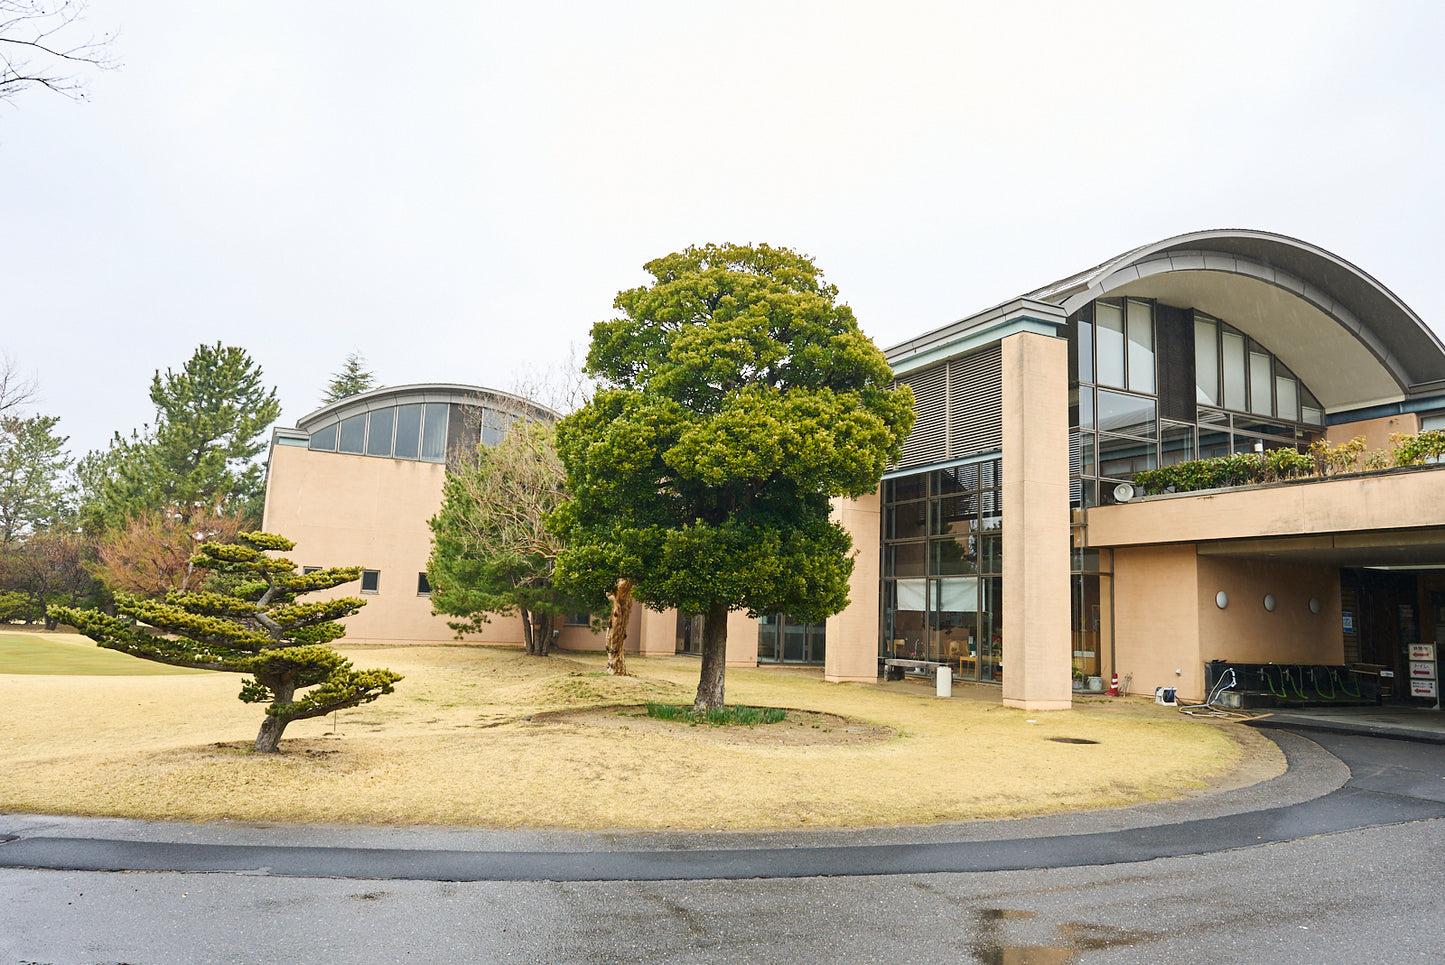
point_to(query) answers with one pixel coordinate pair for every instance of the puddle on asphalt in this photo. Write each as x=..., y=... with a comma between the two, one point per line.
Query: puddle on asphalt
x=990, y=949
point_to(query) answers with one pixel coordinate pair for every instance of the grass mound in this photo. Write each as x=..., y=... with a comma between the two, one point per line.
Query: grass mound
x=726, y=716
x=489, y=737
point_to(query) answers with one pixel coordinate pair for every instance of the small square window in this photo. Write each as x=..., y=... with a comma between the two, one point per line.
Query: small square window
x=370, y=581
x=423, y=585
x=309, y=569
x=577, y=620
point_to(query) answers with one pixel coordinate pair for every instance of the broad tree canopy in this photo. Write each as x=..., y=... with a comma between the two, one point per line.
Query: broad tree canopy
x=736, y=398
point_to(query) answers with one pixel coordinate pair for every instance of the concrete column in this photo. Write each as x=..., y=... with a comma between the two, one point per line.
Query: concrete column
x=852, y=652
x=742, y=640
x=657, y=634
x=1037, y=653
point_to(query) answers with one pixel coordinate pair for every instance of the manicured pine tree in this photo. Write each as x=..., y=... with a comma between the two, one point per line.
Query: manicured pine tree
x=255, y=627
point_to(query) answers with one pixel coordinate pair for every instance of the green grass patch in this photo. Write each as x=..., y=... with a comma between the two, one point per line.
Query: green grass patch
x=68, y=654
x=722, y=717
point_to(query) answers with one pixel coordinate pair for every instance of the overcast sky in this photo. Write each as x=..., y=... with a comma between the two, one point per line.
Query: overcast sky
x=458, y=189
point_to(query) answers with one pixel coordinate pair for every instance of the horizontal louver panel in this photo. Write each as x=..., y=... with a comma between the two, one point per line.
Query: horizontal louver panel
x=976, y=395
x=958, y=410
x=929, y=438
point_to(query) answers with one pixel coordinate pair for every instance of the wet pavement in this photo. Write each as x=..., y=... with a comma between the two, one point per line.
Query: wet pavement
x=1420, y=724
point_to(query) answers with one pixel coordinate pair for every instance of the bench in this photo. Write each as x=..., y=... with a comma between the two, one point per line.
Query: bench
x=893, y=667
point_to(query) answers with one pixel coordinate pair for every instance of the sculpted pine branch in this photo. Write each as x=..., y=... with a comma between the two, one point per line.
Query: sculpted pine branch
x=256, y=627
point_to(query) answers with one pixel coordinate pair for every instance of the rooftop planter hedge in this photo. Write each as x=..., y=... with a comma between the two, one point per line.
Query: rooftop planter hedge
x=1322, y=459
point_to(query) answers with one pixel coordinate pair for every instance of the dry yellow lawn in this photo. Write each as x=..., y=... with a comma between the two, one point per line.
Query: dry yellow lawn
x=453, y=745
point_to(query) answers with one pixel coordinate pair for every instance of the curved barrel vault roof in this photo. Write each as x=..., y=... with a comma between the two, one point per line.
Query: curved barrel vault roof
x=1349, y=337
x=1351, y=340
x=423, y=392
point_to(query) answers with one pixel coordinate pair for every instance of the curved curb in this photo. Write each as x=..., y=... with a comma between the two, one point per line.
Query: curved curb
x=1345, y=808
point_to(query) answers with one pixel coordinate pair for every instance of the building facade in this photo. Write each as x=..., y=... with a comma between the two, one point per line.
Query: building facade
x=1005, y=542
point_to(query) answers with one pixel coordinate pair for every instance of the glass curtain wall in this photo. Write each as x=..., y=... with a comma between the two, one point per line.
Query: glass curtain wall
x=943, y=569
x=781, y=639
x=1090, y=610
x=1133, y=405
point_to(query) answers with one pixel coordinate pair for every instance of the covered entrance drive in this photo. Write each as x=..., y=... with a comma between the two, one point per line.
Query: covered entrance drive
x=1338, y=571
x=1392, y=598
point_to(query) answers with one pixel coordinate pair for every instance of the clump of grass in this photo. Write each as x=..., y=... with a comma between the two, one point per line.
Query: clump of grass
x=721, y=717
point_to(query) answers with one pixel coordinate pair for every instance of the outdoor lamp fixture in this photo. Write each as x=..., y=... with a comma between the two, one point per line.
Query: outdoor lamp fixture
x=1221, y=599
x=1269, y=602
x=1314, y=604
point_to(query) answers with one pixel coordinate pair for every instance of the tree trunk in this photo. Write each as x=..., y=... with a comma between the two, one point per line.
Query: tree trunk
x=617, y=629
x=714, y=659
x=543, y=633
x=268, y=741
x=283, y=691
x=527, y=635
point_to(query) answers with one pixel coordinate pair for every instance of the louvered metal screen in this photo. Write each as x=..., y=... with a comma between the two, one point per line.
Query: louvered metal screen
x=958, y=408
x=975, y=385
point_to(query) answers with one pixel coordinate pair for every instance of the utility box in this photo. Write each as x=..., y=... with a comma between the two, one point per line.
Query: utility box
x=945, y=681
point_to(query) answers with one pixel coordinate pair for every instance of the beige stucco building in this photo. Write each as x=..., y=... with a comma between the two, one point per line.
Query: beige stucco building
x=1003, y=543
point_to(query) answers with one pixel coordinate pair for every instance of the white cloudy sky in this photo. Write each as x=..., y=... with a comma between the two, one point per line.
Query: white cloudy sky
x=458, y=189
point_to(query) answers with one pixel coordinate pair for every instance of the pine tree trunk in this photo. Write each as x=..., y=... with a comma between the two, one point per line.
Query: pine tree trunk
x=528, y=637
x=283, y=691
x=714, y=659
x=268, y=741
x=617, y=629
x=543, y=633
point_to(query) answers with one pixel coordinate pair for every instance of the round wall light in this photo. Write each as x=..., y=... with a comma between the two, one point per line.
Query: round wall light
x=1221, y=599
x=1314, y=604
x=1269, y=602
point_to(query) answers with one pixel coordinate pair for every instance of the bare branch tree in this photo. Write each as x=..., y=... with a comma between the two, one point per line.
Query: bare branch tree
x=42, y=45
x=16, y=388
x=560, y=386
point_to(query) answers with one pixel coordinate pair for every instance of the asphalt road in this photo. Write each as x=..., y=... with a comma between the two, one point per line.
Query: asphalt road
x=1366, y=894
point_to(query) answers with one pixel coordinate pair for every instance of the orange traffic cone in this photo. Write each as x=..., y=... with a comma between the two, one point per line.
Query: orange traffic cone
x=1114, y=687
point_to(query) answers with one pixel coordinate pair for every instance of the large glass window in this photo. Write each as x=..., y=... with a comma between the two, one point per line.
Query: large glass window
x=1233, y=359
x=1286, y=398
x=1127, y=414
x=1261, y=382
x=940, y=553
x=1176, y=443
x=1141, y=346
x=1206, y=361
x=1120, y=458
x=324, y=440
x=378, y=432
x=434, y=433
x=408, y=431
x=1109, y=319
x=353, y=434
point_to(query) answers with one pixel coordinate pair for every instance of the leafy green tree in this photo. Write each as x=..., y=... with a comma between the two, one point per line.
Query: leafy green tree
x=110, y=488
x=256, y=628
x=353, y=379
x=491, y=551
x=737, y=397
x=210, y=425
x=34, y=494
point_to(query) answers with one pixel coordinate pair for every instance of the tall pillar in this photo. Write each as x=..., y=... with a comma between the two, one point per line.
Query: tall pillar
x=658, y=636
x=742, y=639
x=1037, y=649
x=852, y=636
